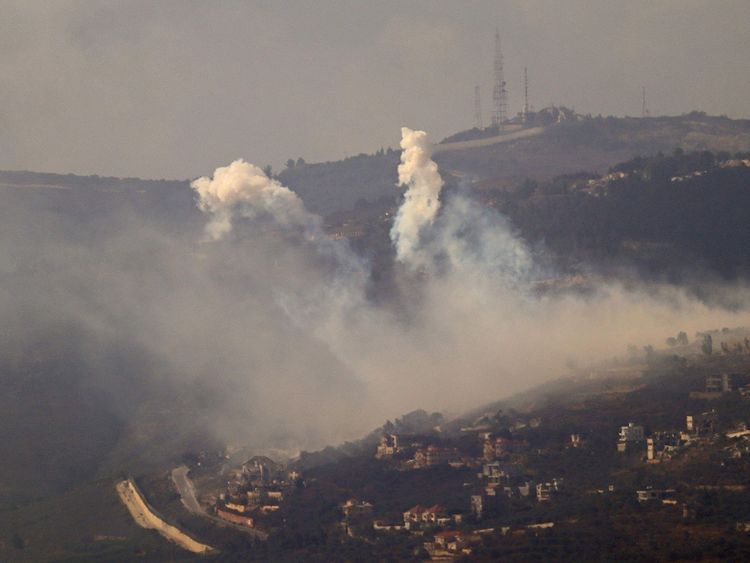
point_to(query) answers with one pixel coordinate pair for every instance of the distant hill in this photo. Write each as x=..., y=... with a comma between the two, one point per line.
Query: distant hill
x=700, y=221
x=590, y=144
x=85, y=198
x=540, y=151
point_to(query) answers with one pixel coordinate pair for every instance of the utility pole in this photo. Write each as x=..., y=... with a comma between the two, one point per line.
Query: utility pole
x=477, y=109
x=499, y=92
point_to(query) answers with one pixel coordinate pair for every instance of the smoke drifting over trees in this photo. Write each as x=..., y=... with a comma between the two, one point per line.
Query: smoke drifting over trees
x=263, y=333
x=473, y=326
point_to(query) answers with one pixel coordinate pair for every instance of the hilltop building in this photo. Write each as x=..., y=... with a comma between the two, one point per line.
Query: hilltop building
x=631, y=437
x=432, y=456
x=388, y=446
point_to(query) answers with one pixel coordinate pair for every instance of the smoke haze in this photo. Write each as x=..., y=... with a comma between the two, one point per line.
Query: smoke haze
x=267, y=323
x=475, y=327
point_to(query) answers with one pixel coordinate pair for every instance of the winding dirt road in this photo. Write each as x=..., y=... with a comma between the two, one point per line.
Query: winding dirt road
x=145, y=518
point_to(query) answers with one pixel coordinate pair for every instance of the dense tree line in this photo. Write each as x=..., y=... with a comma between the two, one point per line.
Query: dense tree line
x=667, y=215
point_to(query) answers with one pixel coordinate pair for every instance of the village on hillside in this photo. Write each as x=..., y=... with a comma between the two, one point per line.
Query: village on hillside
x=660, y=442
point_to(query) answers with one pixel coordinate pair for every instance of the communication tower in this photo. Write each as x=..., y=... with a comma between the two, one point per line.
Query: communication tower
x=525, y=95
x=477, y=109
x=499, y=91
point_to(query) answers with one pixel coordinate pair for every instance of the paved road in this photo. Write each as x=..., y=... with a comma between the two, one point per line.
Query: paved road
x=185, y=488
x=187, y=494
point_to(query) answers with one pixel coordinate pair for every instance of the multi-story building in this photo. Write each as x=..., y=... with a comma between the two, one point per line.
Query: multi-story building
x=719, y=383
x=430, y=516
x=545, y=491
x=388, y=446
x=630, y=437
x=662, y=445
x=432, y=456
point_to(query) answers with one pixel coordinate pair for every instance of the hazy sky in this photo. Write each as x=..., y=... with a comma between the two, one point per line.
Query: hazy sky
x=174, y=88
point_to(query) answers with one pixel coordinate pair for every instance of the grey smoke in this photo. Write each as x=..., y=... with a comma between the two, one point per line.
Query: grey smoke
x=270, y=324
x=477, y=328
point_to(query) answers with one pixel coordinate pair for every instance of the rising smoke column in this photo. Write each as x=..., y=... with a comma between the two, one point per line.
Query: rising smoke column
x=243, y=187
x=421, y=202
x=477, y=314
x=466, y=239
x=336, y=276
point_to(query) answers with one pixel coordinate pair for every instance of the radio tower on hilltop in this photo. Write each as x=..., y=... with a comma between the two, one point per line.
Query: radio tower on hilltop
x=477, y=109
x=525, y=95
x=499, y=93
x=644, y=108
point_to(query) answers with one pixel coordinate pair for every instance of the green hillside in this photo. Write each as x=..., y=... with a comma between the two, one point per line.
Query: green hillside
x=87, y=523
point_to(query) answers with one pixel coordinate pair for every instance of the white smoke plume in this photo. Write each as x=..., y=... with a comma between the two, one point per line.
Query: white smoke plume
x=246, y=188
x=421, y=202
x=477, y=328
x=269, y=335
x=470, y=241
x=458, y=236
x=336, y=281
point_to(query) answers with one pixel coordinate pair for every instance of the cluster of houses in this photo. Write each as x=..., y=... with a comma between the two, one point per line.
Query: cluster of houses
x=498, y=476
x=255, y=488
x=716, y=386
x=448, y=544
x=428, y=516
x=664, y=445
x=501, y=473
x=417, y=455
x=499, y=447
x=733, y=163
x=598, y=186
x=419, y=518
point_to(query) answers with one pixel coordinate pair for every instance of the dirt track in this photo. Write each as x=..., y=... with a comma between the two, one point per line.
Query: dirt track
x=145, y=518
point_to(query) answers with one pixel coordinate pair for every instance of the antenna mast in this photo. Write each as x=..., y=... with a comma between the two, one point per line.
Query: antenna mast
x=499, y=92
x=644, y=109
x=477, y=109
x=525, y=95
